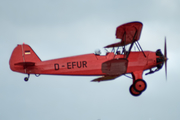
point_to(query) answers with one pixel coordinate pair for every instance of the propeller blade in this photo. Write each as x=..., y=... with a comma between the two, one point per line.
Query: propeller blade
x=165, y=58
x=166, y=69
x=165, y=51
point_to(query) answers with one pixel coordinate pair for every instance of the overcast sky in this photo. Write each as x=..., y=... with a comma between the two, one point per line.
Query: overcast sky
x=60, y=28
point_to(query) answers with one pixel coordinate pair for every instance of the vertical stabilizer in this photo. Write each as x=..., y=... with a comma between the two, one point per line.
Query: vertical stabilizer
x=22, y=57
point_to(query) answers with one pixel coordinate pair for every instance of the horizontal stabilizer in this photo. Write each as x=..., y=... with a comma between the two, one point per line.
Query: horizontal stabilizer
x=25, y=64
x=104, y=78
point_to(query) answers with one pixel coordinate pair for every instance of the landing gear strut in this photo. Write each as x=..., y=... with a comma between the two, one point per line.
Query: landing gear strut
x=27, y=78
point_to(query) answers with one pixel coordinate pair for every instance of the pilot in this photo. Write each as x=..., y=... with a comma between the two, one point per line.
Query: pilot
x=118, y=52
x=124, y=51
x=97, y=52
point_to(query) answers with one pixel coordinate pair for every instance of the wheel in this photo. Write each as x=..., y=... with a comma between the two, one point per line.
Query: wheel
x=140, y=85
x=133, y=91
x=26, y=79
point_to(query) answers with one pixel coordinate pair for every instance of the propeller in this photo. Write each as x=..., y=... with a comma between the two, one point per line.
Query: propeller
x=165, y=57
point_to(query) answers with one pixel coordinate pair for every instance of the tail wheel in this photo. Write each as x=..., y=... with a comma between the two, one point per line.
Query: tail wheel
x=133, y=91
x=140, y=85
x=27, y=78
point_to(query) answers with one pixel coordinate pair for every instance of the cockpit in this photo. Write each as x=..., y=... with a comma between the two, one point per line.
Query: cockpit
x=115, y=50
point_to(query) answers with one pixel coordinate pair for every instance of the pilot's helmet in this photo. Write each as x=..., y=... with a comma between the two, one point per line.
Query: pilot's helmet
x=97, y=52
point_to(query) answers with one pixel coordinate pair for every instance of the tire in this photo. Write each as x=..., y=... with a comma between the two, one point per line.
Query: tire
x=133, y=91
x=140, y=85
x=26, y=79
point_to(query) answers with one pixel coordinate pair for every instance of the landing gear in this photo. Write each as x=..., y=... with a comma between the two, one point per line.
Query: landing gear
x=27, y=78
x=133, y=91
x=138, y=87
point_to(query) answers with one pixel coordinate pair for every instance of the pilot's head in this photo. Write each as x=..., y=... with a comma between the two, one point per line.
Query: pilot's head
x=97, y=52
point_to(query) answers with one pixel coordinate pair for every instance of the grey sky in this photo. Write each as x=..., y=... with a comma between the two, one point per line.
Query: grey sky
x=63, y=28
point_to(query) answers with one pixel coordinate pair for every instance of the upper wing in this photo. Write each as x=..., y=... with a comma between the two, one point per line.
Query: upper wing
x=128, y=33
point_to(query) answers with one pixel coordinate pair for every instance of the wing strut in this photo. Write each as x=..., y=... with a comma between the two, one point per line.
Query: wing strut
x=131, y=44
x=124, y=38
x=136, y=45
x=141, y=49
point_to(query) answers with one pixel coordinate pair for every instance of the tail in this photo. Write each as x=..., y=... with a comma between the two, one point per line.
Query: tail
x=22, y=58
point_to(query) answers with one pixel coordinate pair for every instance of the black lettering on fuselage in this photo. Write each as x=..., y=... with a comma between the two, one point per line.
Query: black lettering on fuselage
x=84, y=63
x=78, y=64
x=56, y=66
x=68, y=65
x=73, y=64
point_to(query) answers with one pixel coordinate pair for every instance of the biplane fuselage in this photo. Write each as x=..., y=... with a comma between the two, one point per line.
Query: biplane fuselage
x=87, y=65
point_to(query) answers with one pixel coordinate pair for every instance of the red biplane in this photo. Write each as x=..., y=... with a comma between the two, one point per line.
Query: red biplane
x=110, y=66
